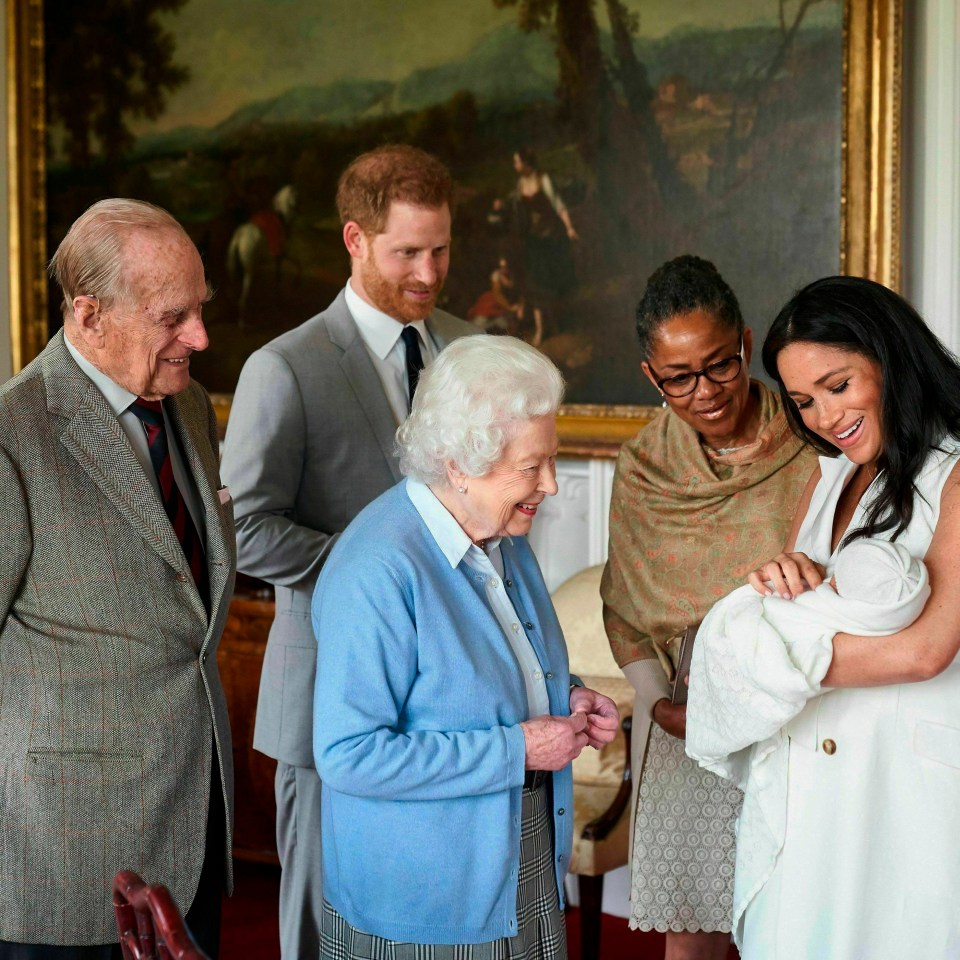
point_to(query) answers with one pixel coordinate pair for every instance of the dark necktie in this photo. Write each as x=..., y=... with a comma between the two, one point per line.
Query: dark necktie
x=151, y=413
x=411, y=341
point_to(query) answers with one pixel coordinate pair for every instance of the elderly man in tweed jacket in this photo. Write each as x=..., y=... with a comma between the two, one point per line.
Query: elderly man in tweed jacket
x=117, y=560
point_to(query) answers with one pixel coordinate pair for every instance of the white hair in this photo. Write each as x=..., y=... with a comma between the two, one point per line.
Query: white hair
x=90, y=259
x=469, y=402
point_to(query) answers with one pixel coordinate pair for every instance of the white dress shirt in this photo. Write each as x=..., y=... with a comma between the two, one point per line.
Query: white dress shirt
x=381, y=336
x=487, y=568
x=119, y=399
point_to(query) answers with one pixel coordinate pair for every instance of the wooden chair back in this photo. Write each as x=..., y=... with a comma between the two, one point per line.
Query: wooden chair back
x=149, y=924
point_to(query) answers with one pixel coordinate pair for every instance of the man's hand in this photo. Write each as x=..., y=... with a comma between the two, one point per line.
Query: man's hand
x=553, y=742
x=602, y=714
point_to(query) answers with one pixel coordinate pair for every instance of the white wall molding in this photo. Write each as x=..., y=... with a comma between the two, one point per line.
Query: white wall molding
x=570, y=531
x=932, y=164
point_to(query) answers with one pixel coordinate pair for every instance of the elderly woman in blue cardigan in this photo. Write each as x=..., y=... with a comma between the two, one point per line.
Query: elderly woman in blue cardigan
x=445, y=718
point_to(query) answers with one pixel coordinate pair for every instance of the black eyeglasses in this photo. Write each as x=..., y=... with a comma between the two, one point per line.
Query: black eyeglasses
x=720, y=371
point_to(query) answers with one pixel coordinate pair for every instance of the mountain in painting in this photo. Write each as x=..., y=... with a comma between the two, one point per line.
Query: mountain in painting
x=505, y=67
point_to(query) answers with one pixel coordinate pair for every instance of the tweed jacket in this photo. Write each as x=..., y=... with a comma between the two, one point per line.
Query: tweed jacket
x=309, y=444
x=111, y=706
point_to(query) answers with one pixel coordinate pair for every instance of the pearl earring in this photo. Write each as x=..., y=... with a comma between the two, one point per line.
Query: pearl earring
x=461, y=489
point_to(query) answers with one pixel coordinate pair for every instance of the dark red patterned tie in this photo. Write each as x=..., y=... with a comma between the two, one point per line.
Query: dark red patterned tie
x=151, y=413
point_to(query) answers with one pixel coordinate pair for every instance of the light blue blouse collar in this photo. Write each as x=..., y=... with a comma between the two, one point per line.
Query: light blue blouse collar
x=454, y=544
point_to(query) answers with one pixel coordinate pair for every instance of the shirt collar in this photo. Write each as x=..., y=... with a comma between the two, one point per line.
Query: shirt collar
x=454, y=544
x=379, y=330
x=118, y=398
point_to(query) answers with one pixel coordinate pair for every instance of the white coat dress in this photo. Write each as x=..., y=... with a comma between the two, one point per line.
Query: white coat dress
x=870, y=866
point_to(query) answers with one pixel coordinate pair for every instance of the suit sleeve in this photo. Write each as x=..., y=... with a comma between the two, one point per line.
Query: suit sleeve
x=263, y=459
x=16, y=539
x=367, y=665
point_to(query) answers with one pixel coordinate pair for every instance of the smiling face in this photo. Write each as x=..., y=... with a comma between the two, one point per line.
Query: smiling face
x=401, y=270
x=144, y=340
x=720, y=412
x=503, y=502
x=838, y=396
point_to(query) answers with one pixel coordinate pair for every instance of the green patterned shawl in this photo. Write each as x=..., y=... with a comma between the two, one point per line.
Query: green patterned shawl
x=687, y=525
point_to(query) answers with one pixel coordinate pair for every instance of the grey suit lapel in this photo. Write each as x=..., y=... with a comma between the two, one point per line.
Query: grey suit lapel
x=94, y=437
x=363, y=379
x=191, y=428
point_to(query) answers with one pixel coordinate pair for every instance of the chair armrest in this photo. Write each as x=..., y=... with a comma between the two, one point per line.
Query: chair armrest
x=600, y=827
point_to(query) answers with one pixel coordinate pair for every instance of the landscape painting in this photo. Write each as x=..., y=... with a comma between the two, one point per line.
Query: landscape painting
x=590, y=140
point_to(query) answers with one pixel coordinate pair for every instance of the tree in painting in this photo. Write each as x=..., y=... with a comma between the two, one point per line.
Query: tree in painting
x=663, y=165
x=105, y=64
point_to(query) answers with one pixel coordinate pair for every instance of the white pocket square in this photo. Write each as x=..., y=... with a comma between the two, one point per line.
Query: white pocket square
x=224, y=494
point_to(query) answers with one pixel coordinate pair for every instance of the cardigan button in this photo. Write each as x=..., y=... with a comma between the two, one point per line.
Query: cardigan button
x=549, y=676
x=508, y=583
x=528, y=625
x=561, y=812
x=181, y=578
x=829, y=747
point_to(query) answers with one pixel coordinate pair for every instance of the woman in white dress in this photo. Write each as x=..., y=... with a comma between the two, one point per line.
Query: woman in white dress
x=870, y=865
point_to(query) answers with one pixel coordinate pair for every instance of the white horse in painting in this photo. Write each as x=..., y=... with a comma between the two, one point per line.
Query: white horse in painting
x=259, y=244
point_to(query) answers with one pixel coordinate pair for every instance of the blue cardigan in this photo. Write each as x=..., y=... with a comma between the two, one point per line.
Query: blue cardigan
x=416, y=735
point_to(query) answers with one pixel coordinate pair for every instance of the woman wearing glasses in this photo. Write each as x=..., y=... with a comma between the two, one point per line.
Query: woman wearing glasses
x=700, y=496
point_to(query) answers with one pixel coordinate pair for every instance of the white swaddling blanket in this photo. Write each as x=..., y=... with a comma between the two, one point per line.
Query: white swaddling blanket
x=758, y=660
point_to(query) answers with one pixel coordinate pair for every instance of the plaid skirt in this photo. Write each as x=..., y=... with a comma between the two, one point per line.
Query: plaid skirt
x=541, y=934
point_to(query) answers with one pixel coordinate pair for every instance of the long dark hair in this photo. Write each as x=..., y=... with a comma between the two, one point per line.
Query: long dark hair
x=920, y=389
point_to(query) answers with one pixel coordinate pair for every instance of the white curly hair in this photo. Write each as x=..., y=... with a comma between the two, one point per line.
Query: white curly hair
x=470, y=401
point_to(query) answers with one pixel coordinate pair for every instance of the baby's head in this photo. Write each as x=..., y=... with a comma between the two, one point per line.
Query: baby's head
x=875, y=571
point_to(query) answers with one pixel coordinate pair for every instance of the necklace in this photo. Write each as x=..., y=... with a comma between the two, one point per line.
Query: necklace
x=723, y=451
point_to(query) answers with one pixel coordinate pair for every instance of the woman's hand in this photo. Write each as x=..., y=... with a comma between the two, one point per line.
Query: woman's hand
x=602, y=714
x=788, y=574
x=672, y=717
x=552, y=742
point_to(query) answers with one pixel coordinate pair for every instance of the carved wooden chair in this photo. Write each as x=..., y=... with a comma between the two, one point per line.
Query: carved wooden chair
x=149, y=923
x=601, y=779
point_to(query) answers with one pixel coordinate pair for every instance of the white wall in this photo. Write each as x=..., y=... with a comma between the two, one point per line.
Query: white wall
x=931, y=196
x=570, y=531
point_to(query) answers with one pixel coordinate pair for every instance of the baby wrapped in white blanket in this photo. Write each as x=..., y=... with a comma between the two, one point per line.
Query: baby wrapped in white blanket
x=758, y=660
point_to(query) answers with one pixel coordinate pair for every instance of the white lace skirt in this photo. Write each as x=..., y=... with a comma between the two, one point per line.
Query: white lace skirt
x=683, y=843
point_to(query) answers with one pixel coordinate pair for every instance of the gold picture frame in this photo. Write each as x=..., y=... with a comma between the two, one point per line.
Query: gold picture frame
x=870, y=190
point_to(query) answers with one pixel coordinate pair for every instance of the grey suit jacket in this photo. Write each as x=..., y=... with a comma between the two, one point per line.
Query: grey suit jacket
x=110, y=698
x=309, y=444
